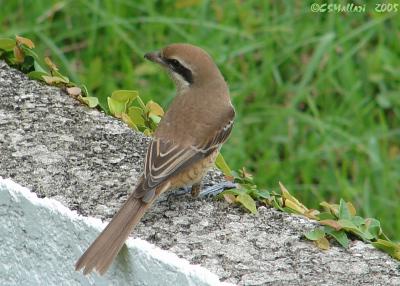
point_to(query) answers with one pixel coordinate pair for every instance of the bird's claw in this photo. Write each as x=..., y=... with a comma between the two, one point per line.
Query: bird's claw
x=210, y=191
x=216, y=189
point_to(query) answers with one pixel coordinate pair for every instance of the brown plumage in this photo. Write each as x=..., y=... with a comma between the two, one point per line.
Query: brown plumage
x=183, y=148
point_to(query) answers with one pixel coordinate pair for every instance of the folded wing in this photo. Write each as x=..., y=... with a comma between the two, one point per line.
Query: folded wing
x=165, y=159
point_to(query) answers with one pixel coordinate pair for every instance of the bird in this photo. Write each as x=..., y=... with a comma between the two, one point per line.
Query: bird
x=183, y=147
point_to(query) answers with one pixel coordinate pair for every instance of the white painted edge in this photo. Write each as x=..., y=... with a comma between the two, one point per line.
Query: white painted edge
x=161, y=258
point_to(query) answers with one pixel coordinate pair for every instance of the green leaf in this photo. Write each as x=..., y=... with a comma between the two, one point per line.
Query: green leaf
x=155, y=118
x=8, y=56
x=116, y=107
x=340, y=236
x=52, y=66
x=357, y=220
x=351, y=209
x=126, y=118
x=57, y=73
x=154, y=108
x=19, y=55
x=90, y=101
x=245, y=175
x=37, y=75
x=247, y=202
x=311, y=214
x=365, y=235
x=7, y=44
x=147, y=132
x=120, y=100
x=332, y=208
x=136, y=115
x=25, y=41
x=348, y=225
x=322, y=243
x=326, y=215
x=84, y=89
x=277, y=203
x=315, y=234
x=374, y=227
x=236, y=192
x=390, y=247
x=222, y=165
x=127, y=96
x=344, y=212
x=229, y=198
x=263, y=194
x=291, y=202
x=30, y=52
x=318, y=236
x=331, y=223
x=54, y=79
x=39, y=68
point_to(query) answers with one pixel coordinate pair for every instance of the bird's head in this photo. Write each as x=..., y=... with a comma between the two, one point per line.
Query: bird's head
x=188, y=65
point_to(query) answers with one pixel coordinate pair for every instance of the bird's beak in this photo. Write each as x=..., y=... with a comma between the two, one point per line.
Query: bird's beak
x=155, y=57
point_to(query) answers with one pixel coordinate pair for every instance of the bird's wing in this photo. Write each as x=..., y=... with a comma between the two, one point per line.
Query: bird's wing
x=165, y=159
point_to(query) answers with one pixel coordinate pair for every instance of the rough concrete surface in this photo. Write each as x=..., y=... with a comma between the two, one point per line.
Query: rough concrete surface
x=88, y=161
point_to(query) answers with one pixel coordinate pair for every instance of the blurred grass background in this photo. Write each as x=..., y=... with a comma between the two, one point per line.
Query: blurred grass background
x=317, y=94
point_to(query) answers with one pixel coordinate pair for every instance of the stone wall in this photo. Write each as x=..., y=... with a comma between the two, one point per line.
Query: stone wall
x=59, y=149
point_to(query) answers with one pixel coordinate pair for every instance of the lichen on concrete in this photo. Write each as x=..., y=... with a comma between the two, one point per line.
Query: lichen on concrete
x=90, y=162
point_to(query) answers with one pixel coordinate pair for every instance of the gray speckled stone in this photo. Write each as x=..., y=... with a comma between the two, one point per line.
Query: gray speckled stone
x=90, y=162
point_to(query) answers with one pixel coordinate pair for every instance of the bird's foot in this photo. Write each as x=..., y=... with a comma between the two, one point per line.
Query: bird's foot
x=181, y=191
x=216, y=189
x=210, y=191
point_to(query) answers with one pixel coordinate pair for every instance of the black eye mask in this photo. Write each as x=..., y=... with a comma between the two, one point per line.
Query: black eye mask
x=177, y=67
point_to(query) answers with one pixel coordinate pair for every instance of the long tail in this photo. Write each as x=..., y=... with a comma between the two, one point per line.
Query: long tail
x=102, y=251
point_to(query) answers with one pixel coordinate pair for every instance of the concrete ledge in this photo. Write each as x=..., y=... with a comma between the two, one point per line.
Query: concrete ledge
x=40, y=241
x=89, y=162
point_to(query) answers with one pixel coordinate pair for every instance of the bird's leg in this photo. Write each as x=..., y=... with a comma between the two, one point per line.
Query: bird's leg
x=196, y=188
x=216, y=189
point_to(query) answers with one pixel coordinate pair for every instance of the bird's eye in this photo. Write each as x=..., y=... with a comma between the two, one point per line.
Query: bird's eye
x=177, y=67
x=174, y=62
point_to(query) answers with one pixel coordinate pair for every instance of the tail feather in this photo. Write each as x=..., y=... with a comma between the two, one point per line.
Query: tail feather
x=102, y=251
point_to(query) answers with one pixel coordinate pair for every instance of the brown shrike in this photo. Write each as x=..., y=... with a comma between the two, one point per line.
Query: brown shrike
x=183, y=148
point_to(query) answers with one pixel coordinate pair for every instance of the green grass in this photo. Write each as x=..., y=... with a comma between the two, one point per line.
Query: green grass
x=317, y=94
